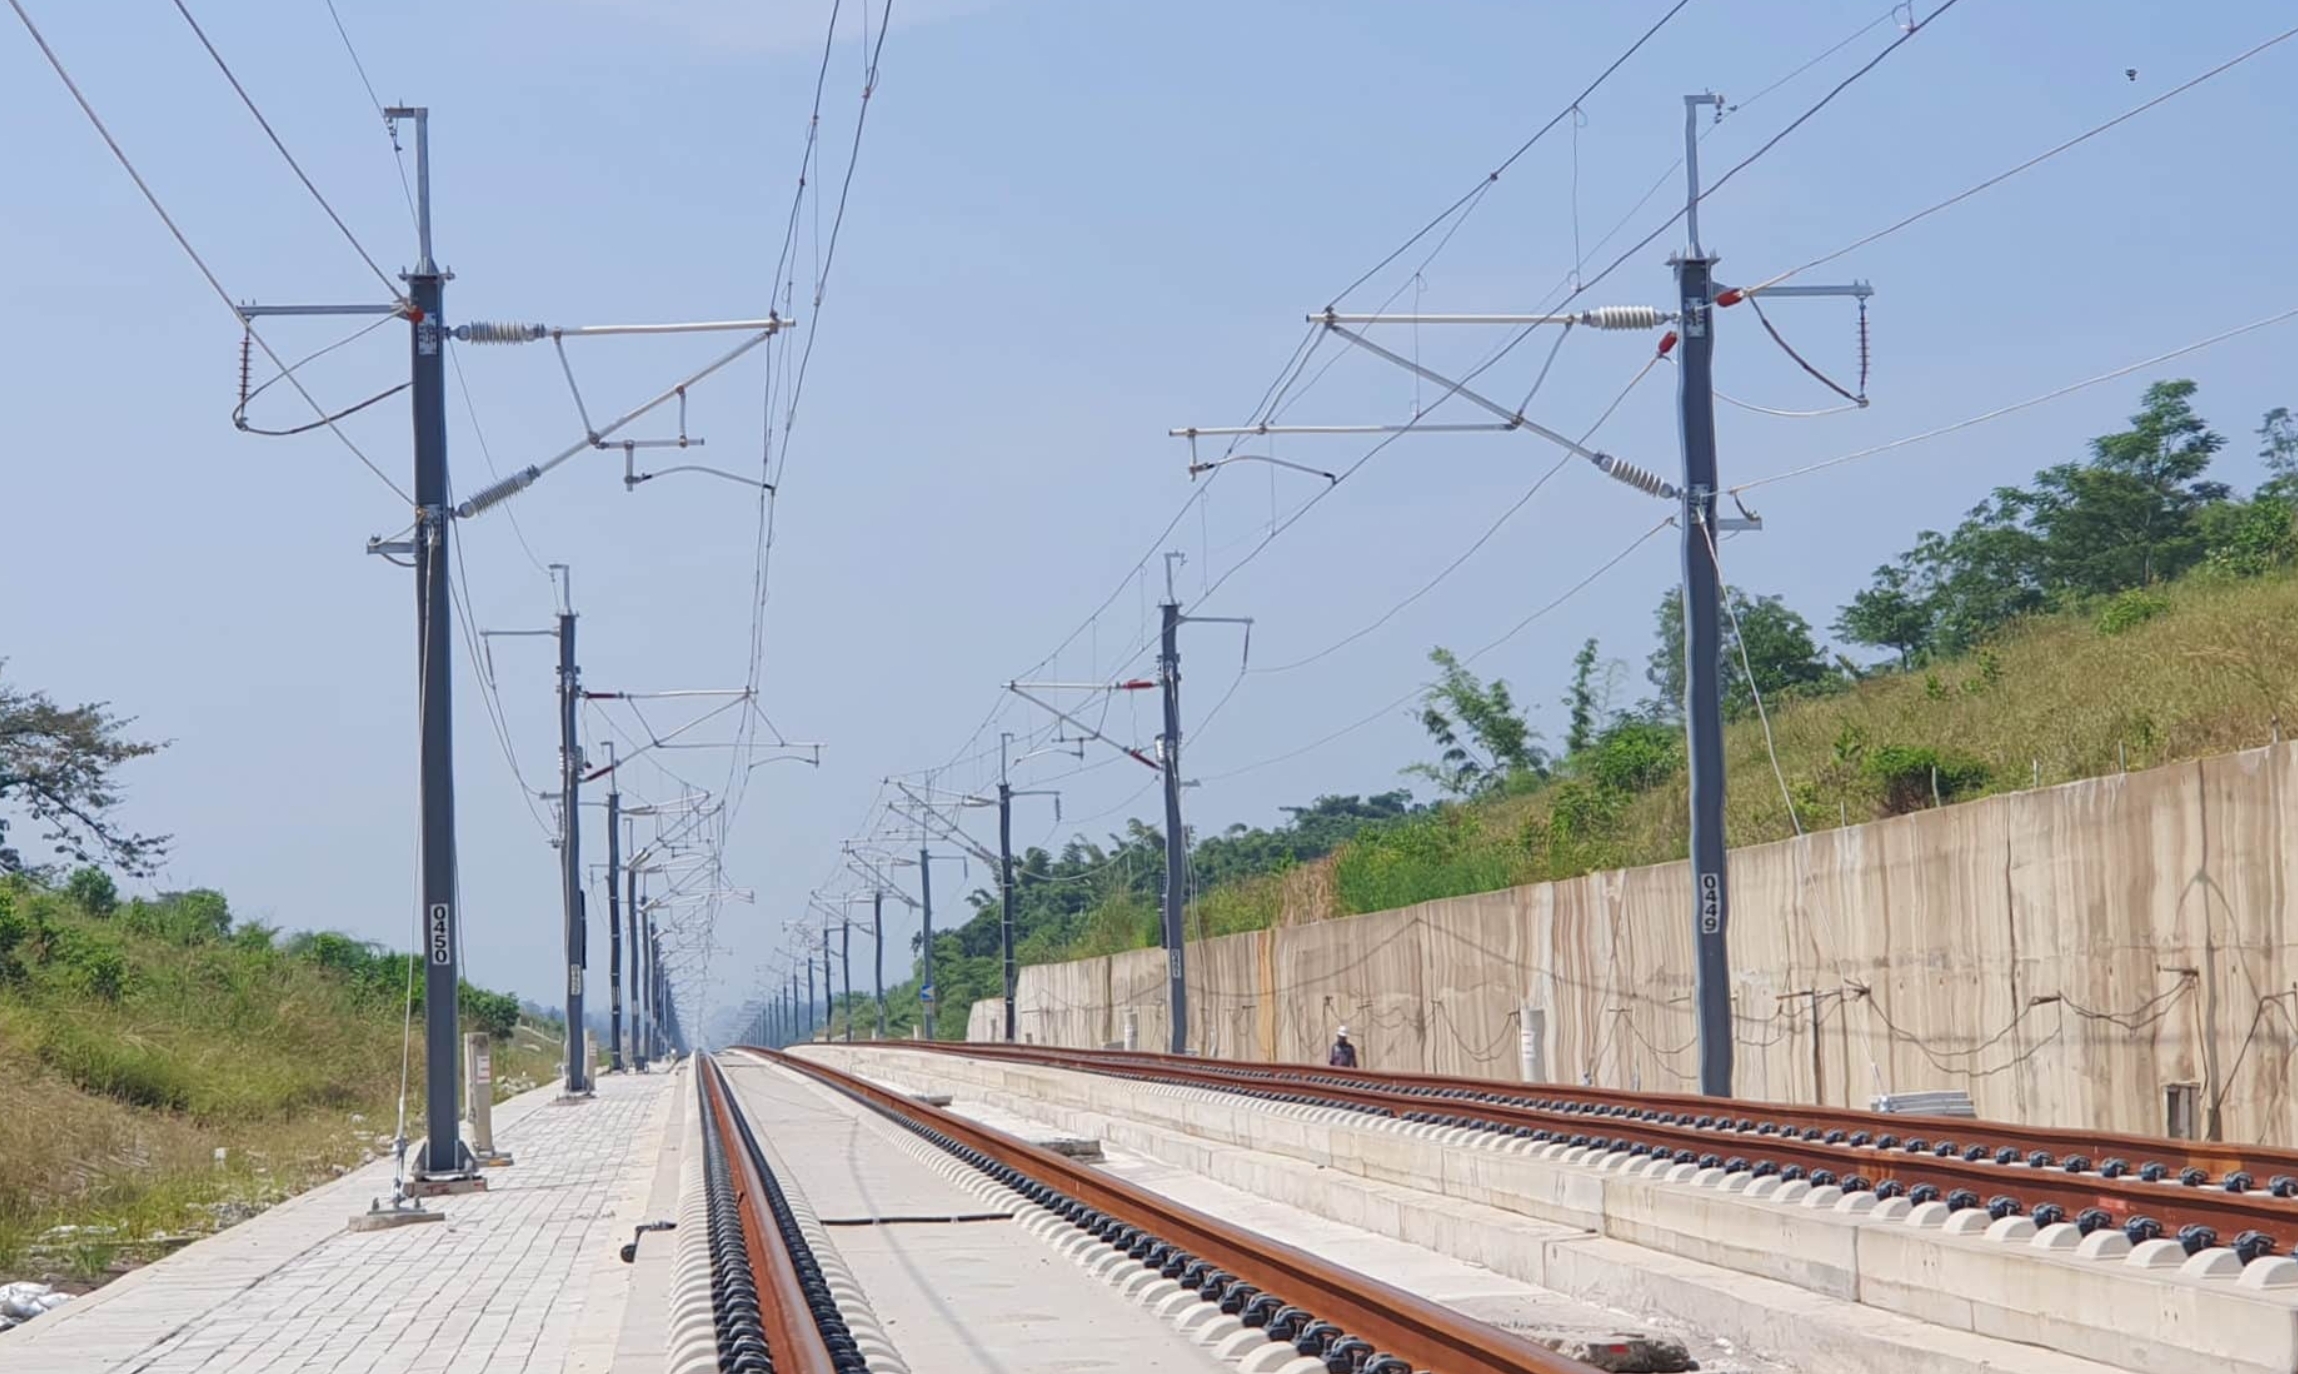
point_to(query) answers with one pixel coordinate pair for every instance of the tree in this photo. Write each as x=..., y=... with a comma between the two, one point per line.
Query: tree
x=1483, y=740
x=2128, y=517
x=2135, y=512
x=58, y=764
x=1580, y=701
x=2278, y=451
x=1893, y=614
x=1780, y=653
x=1985, y=573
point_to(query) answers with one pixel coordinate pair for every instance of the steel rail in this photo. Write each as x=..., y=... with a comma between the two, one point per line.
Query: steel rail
x=2218, y=1157
x=792, y=1337
x=1739, y=1137
x=1411, y=1328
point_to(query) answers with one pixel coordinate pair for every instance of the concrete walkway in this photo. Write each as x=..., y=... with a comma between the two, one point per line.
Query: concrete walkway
x=524, y=1277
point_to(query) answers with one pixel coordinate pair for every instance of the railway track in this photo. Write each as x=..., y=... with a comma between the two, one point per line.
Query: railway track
x=774, y=1312
x=770, y=1302
x=2202, y=1194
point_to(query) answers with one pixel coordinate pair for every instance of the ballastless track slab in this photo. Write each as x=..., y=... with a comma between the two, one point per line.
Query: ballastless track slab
x=2088, y=1178
x=1350, y=1323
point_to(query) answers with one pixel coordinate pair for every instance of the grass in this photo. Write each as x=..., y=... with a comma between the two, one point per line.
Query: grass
x=2202, y=667
x=155, y=1083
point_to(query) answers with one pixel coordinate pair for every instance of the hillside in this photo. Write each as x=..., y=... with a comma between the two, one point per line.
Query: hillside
x=165, y=1070
x=2209, y=668
x=2199, y=667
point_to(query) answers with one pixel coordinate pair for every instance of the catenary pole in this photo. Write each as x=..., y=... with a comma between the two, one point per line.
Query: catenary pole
x=653, y=988
x=926, y=947
x=665, y=1019
x=1176, y=839
x=444, y=1155
x=637, y=978
x=846, y=957
x=614, y=923
x=1703, y=634
x=1005, y=879
x=829, y=985
x=570, y=836
x=878, y=948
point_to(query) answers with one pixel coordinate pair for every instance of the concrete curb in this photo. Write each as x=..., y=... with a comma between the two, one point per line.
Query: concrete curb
x=692, y=1347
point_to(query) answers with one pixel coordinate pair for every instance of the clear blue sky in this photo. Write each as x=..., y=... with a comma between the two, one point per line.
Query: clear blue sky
x=1075, y=226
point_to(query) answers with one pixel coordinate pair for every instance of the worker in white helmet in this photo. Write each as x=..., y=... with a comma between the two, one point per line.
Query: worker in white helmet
x=1344, y=1052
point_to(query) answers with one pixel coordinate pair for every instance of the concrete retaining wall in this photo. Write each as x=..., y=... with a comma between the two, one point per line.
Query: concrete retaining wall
x=2066, y=955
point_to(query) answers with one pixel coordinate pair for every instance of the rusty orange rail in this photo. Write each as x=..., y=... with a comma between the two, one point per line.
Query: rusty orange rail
x=793, y=1340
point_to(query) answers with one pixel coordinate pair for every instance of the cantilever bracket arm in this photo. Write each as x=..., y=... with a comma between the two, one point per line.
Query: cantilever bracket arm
x=948, y=831
x=865, y=869
x=1516, y=419
x=1090, y=733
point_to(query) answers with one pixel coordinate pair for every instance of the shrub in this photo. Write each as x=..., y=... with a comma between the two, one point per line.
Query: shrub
x=90, y=961
x=130, y=1069
x=203, y=911
x=17, y=930
x=1634, y=755
x=1443, y=854
x=1910, y=776
x=183, y=918
x=496, y=1013
x=1120, y=922
x=91, y=889
x=2249, y=538
x=2131, y=609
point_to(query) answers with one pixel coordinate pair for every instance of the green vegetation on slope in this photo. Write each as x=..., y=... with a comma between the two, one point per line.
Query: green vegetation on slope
x=139, y=1038
x=2121, y=611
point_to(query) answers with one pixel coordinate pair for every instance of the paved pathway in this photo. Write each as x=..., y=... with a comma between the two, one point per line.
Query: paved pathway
x=523, y=1279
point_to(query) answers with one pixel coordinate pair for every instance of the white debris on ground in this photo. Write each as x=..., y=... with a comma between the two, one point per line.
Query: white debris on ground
x=21, y=1302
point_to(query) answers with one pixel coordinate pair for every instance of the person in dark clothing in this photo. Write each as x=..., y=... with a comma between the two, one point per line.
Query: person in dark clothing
x=1344, y=1053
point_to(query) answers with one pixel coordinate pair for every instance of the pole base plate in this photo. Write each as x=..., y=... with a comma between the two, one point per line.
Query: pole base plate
x=379, y=1217
x=443, y=1187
